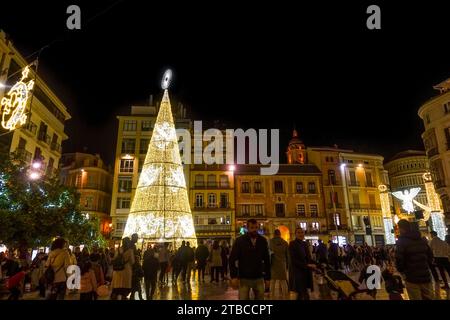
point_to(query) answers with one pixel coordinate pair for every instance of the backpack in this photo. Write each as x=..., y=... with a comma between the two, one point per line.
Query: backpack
x=118, y=263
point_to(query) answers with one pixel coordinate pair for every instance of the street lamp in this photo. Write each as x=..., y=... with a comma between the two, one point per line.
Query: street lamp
x=34, y=175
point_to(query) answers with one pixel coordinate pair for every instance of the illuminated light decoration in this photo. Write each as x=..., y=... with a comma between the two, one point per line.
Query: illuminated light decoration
x=34, y=175
x=396, y=219
x=167, y=77
x=438, y=224
x=14, y=103
x=434, y=201
x=388, y=228
x=160, y=210
x=232, y=167
x=36, y=165
x=407, y=197
x=385, y=203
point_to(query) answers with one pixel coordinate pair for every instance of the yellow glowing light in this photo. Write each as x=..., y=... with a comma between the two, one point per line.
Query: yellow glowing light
x=385, y=203
x=160, y=210
x=13, y=105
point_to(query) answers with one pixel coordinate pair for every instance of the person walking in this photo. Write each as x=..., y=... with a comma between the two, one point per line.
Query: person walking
x=441, y=251
x=215, y=259
x=189, y=257
x=322, y=253
x=163, y=258
x=333, y=255
x=122, y=270
x=57, y=263
x=150, y=267
x=301, y=264
x=279, y=249
x=201, y=256
x=413, y=258
x=250, y=263
x=136, y=279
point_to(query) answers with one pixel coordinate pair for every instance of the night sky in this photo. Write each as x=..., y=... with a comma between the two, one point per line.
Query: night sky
x=272, y=65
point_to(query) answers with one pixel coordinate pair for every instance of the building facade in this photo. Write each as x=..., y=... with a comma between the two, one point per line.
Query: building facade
x=133, y=136
x=93, y=181
x=435, y=114
x=292, y=198
x=41, y=136
x=211, y=195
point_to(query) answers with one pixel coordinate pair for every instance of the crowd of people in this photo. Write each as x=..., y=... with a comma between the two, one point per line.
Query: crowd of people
x=254, y=265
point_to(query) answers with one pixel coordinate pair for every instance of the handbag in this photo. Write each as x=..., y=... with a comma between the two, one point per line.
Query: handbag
x=102, y=291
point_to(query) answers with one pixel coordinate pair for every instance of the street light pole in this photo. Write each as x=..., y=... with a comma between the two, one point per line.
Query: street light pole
x=334, y=212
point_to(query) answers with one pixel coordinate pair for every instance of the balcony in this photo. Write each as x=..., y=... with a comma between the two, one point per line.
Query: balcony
x=248, y=215
x=30, y=128
x=280, y=214
x=370, y=185
x=364, y=207
x=340, y=227
x=24, y=155
x=44, y=138
x=214, y=206
x=213, y=228
x=54, y=146
x=353, y=184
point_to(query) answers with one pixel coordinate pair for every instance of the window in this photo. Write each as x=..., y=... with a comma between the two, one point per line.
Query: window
x=331, y=177
x=199, y=200
x=334, y=200
x=356, y=202
x=140, y=164
x=123, y=203
x=143, y=146
x=301, y=212
x=50, y=168
x=89, y=202
x=126, y=165
x=120, y=226
x=259, y=209
x=356, y=221
x=128, y=145
x=352, y=178
x=245, y=187
x=258, y=187
x=279, y=209
x=278, y=186
x=372, y=202
x=303, y=225
x=299, y=187
x=212, y=180
x=369, y=181
x=245, y=209
x=315, y=226
x=224, y=181
x=224, y=200
x=337, y=219
x=129, y=125
x=212, y=201
x=199, y=180
x=146, y=125
x=313, y=210
x=446, y=107
x=125, y=184
x=311, y=187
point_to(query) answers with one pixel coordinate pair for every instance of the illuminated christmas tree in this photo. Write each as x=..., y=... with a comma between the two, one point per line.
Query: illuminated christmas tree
x=160, y=210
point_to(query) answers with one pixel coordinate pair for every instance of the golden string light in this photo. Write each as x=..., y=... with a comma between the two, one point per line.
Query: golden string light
x=13, y=105
x=160, y=210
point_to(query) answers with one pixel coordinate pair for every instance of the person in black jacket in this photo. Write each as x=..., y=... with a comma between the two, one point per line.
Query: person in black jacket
x=150, y=267
x=201, y=255
x=413, y=258
x=251, y=252
x=301, y=265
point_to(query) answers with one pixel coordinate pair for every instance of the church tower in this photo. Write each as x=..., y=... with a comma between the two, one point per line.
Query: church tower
x=296, y=152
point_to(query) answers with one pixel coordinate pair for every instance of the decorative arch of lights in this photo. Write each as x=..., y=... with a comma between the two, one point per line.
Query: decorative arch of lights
x=14, y=103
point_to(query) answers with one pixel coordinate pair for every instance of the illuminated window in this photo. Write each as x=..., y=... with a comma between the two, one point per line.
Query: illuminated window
x=303, y=225
x=315, y=226
x=337, y=219
x=259, y=209
x=129, y=125
x=88, y=202
x=126, y=165
x=245, y=209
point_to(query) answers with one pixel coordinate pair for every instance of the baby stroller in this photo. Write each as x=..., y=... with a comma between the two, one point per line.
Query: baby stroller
x=336, y=281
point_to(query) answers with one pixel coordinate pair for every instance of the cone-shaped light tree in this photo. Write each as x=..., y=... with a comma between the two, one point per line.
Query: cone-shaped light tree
x=160, y=210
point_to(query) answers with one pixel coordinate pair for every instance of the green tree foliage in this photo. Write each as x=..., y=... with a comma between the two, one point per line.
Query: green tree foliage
x=34, y=212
